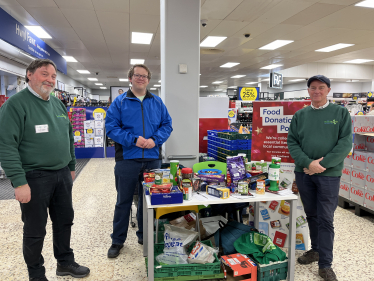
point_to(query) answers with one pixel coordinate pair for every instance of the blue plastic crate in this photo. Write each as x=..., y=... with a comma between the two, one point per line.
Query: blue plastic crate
x=212, y=133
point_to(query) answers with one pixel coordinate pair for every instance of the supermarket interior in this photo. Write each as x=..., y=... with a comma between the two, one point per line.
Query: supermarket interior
x=201, y=127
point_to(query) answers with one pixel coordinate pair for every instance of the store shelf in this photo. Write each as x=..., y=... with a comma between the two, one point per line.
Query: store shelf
x=359, y=209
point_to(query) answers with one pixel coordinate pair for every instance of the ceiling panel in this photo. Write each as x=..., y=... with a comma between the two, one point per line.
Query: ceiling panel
x=233, y=42
x=38, y=3
x=211, y=25
x=75, y=4
x=155, y=51
x=67, y=33
x=227, y=28
x=218, y=9
x=19, y=13
x=138, y=24
x=118, y=6
x=340, y=2
x=49, y=16
x=81, y=19
x=145, y=7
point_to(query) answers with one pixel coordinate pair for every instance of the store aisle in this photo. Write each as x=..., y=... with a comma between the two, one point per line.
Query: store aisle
x=94, y=198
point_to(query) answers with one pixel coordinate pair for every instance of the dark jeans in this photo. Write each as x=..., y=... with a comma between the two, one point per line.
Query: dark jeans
x=50, y=190
x=129, y=175
x=319, y=195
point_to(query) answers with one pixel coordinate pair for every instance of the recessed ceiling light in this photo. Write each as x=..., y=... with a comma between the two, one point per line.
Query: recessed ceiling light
x=156, y=85
x=159, y=81
x=352, y=80
x=136, y=61
x=200, y=74
x=252, y=83
x=92, y=79
x=212, y=41
x=141, y=38
x=123, y=79
x=217, y=82
x=102, y=87
x=238, y=76
x=38, y=31
x=230, y=64
x=357, y=61
x=366, y=4
x=219, y=90
x=276, y=44
x=232, y=87
x=295, y=80
x=334, y=47
x=99, y=84
x=203, y=86
x=83, y=71
x=271, y=66
x=153, y=88
x=69, y=59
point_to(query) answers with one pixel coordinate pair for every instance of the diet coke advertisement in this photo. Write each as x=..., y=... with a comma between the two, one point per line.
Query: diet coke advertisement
x=369, y=200
x=369, y=182
x=346, y=174
x=348, y=160
x=363, y=124
x=370, y=144
x=344, y=189
x=359, y=142
x=357, y=195
x=358, y=178
x=359, y=160
x=370, y=163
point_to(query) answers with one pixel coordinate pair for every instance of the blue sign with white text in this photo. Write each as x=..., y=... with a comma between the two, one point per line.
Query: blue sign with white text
x=14, y=33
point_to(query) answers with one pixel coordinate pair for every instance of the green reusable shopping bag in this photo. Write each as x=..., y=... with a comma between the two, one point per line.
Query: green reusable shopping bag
x=260, y=247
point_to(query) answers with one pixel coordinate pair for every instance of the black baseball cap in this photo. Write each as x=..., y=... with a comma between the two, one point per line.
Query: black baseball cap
x=321, y=78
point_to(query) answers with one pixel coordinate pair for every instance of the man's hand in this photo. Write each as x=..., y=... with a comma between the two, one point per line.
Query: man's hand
x=140, y=142
x=72, y=175
x=23, y=193
x=149, y=143
x=315, y=167
x=308, y=172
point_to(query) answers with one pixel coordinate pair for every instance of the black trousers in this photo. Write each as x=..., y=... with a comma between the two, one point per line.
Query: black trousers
x=50, y=191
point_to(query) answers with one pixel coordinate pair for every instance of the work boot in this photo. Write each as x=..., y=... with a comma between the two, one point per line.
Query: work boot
x=73, y=269
x=113, y=251
x=41, y=278
x=308, y=257
x=327, y=274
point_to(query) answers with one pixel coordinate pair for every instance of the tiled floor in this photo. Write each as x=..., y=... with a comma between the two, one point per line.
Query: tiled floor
x=94, y=198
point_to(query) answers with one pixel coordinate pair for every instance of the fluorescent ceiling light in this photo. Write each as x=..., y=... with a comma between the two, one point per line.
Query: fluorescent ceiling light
x=156, y=85
x=276, y=44
x=267, y=79
x=141, y=38
x=295, y=80
x=102, y=87
x=353, y=80
x=334, y=47
x=232, y=87
x=159, y=81
x=230, y=64
x=203, y=86
x=366, y=4
x=251, y=83
x=38, y=31
x=27, y=55
x=69, y=59
x=83, y=71
x=200, y=74
x=217, y=82
x=123, y=80
x=271, y=66
x=153, y=88
x=221, y=90
x=136, y=61
x=238, y=76
x=92, y=79
x=99, y=84
x=357, y=61
x=212, y=41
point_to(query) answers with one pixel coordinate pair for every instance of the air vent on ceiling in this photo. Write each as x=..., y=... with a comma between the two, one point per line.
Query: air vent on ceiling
x=115, y=77
x=211, y=51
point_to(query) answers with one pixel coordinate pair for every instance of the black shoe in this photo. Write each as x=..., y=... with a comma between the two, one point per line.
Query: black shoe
x=308, y=257
x=140, y=241
x=113, y=251
x=327, y=274
x=73, y=269
x=43, y=278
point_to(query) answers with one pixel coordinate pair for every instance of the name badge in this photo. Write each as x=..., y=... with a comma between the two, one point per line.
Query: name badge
x=41, y=129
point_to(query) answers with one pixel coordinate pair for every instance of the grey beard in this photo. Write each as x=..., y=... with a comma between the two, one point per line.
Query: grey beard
x=45, y=91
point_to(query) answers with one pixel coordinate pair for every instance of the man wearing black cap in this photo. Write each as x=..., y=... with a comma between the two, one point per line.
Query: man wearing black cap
x=319, y=138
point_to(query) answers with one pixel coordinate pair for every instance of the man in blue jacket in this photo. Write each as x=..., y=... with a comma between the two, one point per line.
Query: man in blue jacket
x=139, y=123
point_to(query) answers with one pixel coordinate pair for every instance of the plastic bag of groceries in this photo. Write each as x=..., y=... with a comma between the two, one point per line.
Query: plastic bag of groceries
x=176, y=241
x=202, y=253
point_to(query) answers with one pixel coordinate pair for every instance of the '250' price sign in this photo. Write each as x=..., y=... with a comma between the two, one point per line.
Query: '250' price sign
x=248, y=93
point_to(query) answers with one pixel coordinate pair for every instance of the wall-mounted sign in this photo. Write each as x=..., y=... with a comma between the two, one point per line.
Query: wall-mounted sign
x=276, y=80
x=248, y=93
x=14, y=33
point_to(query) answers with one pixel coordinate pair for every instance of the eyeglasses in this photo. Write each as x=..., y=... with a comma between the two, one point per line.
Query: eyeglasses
x=138, y=76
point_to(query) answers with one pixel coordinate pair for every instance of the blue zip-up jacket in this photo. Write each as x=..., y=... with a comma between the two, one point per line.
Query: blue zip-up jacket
x=128, y=118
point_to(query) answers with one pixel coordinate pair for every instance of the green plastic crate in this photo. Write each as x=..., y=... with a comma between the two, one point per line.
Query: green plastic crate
x=229, y=135
x=192, y=270
x=272, y=272
x=200, y=277
x=244, y=137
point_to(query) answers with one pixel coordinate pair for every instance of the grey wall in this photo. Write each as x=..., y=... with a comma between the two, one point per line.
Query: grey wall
x=104, y=94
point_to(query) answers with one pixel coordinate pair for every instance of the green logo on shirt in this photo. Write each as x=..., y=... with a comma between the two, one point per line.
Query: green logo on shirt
x=334, y=122
x=61, y=116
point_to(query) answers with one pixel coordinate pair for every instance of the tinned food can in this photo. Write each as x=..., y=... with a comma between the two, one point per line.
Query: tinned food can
x=260, y=187
x=158, y=176
x=187, y=192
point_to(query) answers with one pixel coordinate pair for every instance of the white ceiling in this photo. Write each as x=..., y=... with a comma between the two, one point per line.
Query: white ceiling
x=97, y=33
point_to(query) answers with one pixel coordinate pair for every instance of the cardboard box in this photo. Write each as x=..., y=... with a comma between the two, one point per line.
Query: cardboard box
x=357, y=195
x=363, y=124
x=359, y=160
x=359, y=142
x=99, y=124
x=89, y=124
x=89, y=133
x=358, y=178
x=369, y=143
x=369, y=200
x=348, y=161
x=370, y=162
x=89, y=141
x=369, y=182
x=99, y=116
x=99, y=140
x=346, y=174
x=240, y=265
x=344, y=190
x=99, y=132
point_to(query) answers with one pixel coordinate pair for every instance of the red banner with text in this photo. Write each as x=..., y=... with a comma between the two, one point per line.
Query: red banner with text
x=270, y=124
